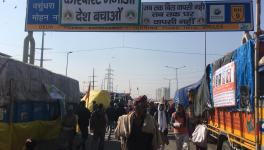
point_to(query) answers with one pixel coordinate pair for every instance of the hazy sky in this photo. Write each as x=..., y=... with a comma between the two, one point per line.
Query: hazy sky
x=131, y=54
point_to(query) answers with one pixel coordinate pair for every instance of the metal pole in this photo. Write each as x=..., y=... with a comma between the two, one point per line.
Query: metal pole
x=169, y=84
x=176, y=69
x=177, y=79
x=93, y=78
x=129, y=87
x=205, y=49
x=67, y=62
x=42, y=50
x=169, y=88
x=257, y=126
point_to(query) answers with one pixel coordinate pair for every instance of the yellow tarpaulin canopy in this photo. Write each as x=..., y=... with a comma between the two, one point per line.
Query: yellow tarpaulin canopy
x=99, y=96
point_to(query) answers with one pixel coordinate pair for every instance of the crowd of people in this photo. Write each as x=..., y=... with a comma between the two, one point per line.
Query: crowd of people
x=99, y=121
x=143, y=125
x=146, y=126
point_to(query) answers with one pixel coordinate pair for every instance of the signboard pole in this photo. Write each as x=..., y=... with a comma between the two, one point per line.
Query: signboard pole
x=29, y=40
x=256, y=99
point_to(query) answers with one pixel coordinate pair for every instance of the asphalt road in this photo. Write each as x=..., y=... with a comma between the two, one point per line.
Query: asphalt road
x=115, y=145
x=112, y=144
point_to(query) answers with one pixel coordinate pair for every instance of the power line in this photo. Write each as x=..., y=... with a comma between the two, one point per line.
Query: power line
x=144, y=49
x=170, y=51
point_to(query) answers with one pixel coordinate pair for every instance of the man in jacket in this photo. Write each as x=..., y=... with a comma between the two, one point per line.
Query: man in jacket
x=138, y=130
x=83, y=121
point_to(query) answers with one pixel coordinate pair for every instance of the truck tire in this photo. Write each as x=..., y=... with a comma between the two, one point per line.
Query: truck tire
x=226, y=145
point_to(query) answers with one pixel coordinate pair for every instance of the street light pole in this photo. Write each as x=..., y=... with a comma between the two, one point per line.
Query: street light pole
x=176, y=70
x=67, y=62
x=169, y=84
x=177, y=82
x=42, y=50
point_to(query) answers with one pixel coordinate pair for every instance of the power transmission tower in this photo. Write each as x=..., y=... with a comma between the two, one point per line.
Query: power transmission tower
x=109, y=79
x=102, y=85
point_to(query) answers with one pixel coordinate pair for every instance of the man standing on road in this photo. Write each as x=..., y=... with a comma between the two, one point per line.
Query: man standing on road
x=83, y=121
x=138, y=130
x=99, y=122
x=68, y=132
x=112, y=115
x=179, y=123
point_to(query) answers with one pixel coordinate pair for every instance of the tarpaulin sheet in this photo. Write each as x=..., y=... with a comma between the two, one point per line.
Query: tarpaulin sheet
x=14, y=135
x=244, y=76
x=5, y=136
x=33, y=103
x=244, y=60
x=99, y=96
x=28, y=82
x=181, y=96
x=202, y=96
x=244, y=63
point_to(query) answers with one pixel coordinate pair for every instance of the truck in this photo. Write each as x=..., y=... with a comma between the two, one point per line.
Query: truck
x=236, y=118
x=231, y=99
x=33, y=101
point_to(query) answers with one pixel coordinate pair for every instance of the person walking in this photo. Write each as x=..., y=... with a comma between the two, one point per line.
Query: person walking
x=112, y=115
x=190, y=112
x=99, y=122
x=69, y=123
x=179, y=123
x=152, y=109
x=138, y=130
x=95, y=106
x=83, y=121
x=163, y=126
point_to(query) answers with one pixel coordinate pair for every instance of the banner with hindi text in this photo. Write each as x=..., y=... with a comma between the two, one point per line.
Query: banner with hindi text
x=224, y=86
x=100, y=12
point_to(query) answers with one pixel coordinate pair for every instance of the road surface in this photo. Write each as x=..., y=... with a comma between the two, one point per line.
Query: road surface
x=115, y=145
x=112, y=144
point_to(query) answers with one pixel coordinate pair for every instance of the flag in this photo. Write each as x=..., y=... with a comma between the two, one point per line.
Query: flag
x=87, y=94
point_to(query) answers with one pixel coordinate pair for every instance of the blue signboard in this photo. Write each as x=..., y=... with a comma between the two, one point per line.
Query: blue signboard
x=43, y=12
x=44, y=15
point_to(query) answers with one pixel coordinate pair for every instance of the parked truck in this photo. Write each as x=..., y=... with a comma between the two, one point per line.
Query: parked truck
x=236, y=119
x=231, y=99
x=32, y=102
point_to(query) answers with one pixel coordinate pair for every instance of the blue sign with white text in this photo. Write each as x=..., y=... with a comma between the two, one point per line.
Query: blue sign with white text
x=43, y=12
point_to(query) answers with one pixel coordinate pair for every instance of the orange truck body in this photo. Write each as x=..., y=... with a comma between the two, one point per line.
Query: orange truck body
x=238, y=127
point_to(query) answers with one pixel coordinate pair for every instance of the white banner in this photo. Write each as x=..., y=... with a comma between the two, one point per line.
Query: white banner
x=174, y=13
x=100, y=12
x=224, y=87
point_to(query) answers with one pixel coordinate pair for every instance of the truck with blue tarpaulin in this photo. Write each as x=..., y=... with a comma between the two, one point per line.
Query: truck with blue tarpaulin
x=33, y=101
x=226, y=93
